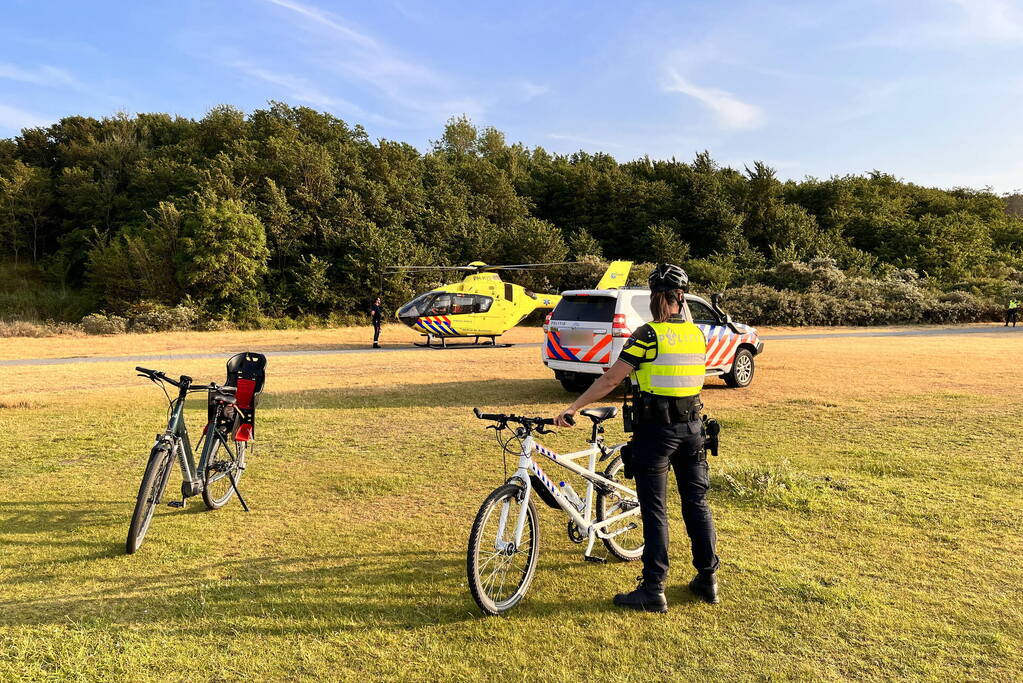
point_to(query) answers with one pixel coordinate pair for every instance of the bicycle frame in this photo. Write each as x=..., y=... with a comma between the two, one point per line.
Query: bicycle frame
x=177, y=439
x=584, y=521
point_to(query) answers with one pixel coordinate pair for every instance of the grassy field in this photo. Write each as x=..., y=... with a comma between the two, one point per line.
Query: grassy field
x=867, y=498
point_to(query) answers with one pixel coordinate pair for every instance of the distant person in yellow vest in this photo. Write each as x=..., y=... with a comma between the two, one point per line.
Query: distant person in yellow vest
x=1010, y=314
x=666, y=359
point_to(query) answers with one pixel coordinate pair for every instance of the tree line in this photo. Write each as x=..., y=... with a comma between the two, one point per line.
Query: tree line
x=290, y=212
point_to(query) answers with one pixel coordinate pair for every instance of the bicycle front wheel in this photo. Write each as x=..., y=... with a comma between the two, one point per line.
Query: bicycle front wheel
x=217, y=489
x=150, y=491
x=627, y=540
x=499, y=570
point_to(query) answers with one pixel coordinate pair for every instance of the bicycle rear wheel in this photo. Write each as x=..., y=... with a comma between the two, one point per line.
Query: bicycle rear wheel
x=628, y=544
x=499, y=571
x=217, y=489
x=150, y=491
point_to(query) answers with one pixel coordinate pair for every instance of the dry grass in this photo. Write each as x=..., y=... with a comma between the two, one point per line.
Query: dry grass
x=873, y=529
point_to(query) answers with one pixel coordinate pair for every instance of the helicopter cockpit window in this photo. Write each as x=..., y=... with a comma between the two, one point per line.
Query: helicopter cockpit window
x=441, y=305
x=417, y=306
x=470, y=303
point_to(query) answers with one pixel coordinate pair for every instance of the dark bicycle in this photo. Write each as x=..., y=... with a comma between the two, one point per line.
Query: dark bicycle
x=231, y=412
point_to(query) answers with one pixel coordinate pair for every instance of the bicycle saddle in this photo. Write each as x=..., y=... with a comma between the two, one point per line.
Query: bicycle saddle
x=600, y=414
x=229, y=399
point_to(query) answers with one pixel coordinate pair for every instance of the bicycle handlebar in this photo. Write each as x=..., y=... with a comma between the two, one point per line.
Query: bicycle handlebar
x=162, y=376
x=518, y=419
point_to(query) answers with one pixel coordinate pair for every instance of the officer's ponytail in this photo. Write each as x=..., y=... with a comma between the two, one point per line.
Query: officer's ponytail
x=663, y=305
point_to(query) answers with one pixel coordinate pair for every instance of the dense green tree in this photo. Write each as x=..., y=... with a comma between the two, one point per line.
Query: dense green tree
x=25, y=195
x=223, y=255
x=292, y=211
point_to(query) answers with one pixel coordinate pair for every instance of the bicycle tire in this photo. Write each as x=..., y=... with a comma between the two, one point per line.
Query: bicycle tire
x=478, y=585
x=150, y=492
x=626, y=553
x=217, y=497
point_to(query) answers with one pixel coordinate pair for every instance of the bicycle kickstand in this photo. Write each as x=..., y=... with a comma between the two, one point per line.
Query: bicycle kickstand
x=589, y=549
x=234, y=485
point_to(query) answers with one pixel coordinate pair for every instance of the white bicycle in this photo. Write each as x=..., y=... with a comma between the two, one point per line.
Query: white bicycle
x=504, y=542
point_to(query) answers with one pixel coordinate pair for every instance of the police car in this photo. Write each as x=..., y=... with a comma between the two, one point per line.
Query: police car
x=588, y=328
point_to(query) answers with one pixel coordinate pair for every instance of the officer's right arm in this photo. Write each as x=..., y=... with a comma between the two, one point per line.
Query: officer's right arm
x=640, y=348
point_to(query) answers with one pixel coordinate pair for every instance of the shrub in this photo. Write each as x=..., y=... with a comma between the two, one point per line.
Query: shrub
x=24, y=328
x=159, y=318
x=100, y=323
x=215, y=326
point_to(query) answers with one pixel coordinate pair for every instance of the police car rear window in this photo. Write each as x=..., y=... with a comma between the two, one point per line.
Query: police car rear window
x=578, y=308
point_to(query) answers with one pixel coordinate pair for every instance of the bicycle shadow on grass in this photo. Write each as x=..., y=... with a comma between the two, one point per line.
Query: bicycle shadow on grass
x=494, y=392
x=360, y=592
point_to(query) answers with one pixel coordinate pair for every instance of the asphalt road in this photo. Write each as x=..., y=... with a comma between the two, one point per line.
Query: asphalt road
x=878, y=332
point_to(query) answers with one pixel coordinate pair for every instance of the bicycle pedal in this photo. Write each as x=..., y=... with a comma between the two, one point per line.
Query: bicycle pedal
x=594, y=558
x=176, y=504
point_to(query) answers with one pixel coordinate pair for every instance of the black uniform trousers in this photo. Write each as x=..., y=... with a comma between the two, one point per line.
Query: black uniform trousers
x=1010, y=316
x=654, y=448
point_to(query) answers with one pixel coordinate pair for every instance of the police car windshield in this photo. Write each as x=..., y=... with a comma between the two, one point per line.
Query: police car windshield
x=582, y=308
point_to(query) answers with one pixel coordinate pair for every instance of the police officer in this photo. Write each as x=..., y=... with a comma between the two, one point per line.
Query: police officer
x=376, y=313
x=666, y=359
x=1012, y=312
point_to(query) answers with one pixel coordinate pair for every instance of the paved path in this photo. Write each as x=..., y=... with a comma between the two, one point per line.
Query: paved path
x=877, y=332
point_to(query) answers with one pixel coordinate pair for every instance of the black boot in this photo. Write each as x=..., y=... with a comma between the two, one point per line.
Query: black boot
x=648, y=597
x=705, y=587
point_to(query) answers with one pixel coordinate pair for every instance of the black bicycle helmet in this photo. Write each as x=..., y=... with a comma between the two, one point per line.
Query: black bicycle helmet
x=666, y=277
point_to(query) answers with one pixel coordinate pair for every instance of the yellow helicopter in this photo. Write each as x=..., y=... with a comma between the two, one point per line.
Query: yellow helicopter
x=482, y=306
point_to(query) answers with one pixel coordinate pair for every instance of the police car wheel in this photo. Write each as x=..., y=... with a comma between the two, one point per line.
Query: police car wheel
x=743, y=369
x=576, y=383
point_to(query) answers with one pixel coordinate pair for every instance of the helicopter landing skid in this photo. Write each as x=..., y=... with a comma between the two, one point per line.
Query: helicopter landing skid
x=475, y=344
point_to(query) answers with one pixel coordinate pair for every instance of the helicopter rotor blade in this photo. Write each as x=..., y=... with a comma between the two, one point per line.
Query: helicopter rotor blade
x=529, y=266
x=398, y=269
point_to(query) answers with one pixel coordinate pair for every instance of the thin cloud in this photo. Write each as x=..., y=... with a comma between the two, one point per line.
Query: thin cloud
x=871, y=99
x=530, y=91
x=588, y=142
x=323, y=19
x=42, y=75
x=357, y=56
x=992, y=20
x=967, y=22
x=14, y=118
x=302, y=90
x=730, y=111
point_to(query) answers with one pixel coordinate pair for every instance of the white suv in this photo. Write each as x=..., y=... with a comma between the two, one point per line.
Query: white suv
x=588, y=328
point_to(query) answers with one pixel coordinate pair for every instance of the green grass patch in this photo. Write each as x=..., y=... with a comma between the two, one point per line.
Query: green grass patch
x=858, y=541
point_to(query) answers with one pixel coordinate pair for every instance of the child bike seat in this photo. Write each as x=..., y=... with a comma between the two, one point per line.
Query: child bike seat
x=246, y=372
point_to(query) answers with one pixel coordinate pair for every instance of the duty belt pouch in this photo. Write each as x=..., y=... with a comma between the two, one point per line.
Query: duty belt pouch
x=626, y=455
x=661, y=412
x=628, y=408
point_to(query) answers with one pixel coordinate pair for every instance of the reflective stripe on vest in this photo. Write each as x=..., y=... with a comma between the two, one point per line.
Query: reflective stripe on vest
x=679, y=366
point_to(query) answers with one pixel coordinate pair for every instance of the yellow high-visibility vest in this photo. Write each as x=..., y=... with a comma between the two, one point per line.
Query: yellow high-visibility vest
x=675, y=364
x=1013, y=304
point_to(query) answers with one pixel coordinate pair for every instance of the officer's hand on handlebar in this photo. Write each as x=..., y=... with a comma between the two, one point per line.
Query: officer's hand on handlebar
x=565, y=419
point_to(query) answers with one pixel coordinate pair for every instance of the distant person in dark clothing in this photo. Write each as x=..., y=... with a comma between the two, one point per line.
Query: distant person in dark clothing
x=376, y=313
x=1012, y=312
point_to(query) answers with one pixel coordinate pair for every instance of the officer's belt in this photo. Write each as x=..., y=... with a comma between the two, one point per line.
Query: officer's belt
x=664, y=410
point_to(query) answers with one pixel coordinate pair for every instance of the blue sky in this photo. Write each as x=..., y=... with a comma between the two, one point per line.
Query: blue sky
x=930, y=90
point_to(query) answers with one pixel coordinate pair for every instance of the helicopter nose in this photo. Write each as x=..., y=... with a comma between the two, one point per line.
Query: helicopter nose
x=409, y=320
